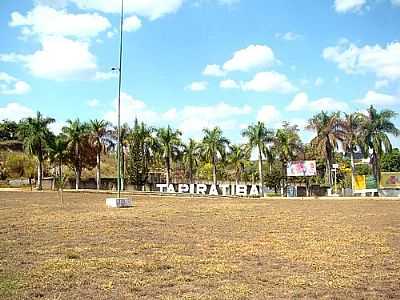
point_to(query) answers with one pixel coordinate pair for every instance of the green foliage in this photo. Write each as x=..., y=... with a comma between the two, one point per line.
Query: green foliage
x=8, y=130
x=19, y=165
x=391, y=161
x=363, y=170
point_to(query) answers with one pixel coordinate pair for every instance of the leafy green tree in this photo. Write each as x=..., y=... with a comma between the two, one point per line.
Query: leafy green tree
x=36, y=136
x=237, y=159
x=58, y=155
x=142, y=148
x=213, y=148
x=19, y=165
x=76, y=133
x=391, y=161
x=352, y=126
x=100, y=138
x=287, y=146
x=329, y=134
x=169, y=147
x=376, y=128
x=191, y=154
x=8, y=130
x=259, y=137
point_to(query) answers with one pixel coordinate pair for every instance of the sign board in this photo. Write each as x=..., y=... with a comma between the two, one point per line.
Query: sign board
x=211, y=190
x=359, y=183
x=335, y=166
x=390, y=180
x=302, y=168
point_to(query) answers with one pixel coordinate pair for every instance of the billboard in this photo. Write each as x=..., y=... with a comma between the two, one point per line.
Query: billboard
x=359, y=183
x=364, y=183
x=302, y=168
x=390, y=180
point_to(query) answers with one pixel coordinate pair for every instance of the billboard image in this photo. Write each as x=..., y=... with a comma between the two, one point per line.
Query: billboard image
x=302, y=168
x=390, y=180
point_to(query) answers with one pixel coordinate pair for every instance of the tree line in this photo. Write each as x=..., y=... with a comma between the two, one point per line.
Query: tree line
x=81, y=145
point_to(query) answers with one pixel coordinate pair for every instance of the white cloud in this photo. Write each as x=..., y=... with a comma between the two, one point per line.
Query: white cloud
x=59, y=59
x=45, y=21
x=152, y=9
x=288, y=36
x=344, y=6
x=14, y=112
x=132, y=23
x=378, y=99
x=10, y=85
x=214, y=70
x=319, y=81
x=223, y=115
x=132, y=108
x=381, y=84
x=328, y=104
x=253, y=56
x=301, y=102
x=396, y=2
x=190, y=119
x=57, y=126
x=105, y=75
x=197, y=86
x=383, y=61
x=229, y=84
x=269, y=82
x=228, y=2
x=170, y=115
x=269, y=114
x=93, y=103
x=110, y=34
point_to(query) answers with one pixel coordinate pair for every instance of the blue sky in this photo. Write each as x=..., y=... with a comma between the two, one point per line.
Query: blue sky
x=199, y=63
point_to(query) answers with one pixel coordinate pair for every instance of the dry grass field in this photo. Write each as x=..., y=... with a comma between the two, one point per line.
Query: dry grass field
x=175, y=248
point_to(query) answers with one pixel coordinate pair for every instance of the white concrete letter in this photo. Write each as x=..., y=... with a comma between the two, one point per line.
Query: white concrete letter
x=254, y=191
x=213, y=190
x=201, y=189
x=224, y=188
x=171, y=189
x=241, y=190
x=183, y=188
x=191, y=191
x=161, y=186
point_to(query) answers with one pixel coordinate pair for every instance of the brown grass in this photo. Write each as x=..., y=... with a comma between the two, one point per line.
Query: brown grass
x=175, y=248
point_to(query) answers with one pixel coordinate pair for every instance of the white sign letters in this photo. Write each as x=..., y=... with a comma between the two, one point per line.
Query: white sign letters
x=213, y=190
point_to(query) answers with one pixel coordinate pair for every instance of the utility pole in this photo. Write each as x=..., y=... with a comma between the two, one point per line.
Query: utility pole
x=119, y=100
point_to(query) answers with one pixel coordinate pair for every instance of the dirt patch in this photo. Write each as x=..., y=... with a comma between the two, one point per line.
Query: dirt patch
x=178, y=248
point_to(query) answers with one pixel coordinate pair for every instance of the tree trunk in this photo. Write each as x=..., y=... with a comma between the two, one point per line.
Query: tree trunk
x=260, y=172
x=40, y=173
x=98, y=175
x=77, y=178
x=214, y=172
x=191, y=172
x=122, y=169
x=376, y=166
x=168, y=166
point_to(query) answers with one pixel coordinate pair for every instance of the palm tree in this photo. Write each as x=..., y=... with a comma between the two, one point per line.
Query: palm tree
x=169, y=143
x=213, y=145
x=287, y=144
x=352, y=126
x=58, y=154
x=36, y=136
x=99, y=135
x=259, y=137
x=75, y=133
x=191, y=157
x=237, y=159
x=376, y=128
x=329, y=133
